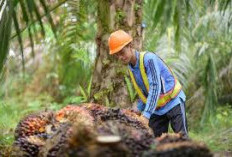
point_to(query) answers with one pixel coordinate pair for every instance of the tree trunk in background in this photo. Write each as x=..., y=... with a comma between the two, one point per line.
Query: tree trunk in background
x=109, y=85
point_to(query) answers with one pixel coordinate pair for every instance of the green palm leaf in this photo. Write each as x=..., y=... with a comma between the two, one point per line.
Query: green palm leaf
x=33, y=10
x=31, y=15
x=210, y=89
x=26, y=19
x=46, y=10
x=5, y=30
x=16, y=24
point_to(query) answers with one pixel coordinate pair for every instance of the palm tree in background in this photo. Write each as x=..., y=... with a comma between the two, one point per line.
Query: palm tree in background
x=185, y=25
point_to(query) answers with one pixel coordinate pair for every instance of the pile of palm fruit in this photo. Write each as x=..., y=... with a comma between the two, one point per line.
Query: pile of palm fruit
x=176, y=145
x=94, y=130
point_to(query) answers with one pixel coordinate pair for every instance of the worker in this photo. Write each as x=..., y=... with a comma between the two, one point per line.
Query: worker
x=161, y=98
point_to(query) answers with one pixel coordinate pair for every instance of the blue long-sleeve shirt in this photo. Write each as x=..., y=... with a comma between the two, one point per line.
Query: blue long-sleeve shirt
x=160, y=80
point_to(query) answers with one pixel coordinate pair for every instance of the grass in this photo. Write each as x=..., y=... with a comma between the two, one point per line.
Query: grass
x=217, y=139
x=217, y=132
x=14, y=109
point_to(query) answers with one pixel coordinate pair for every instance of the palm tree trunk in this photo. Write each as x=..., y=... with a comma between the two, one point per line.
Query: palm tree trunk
x=109, y=87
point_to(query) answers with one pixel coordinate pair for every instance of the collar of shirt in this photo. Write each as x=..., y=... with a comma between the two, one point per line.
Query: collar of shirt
x=137, y=62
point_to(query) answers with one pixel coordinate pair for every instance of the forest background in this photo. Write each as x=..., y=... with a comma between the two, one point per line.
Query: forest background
x=54, y=53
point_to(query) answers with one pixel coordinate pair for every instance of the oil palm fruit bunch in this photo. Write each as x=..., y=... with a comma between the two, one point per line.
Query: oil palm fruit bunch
x=171, y=138
x=28, y=146
x=73, y=113
x=32, y=132
x=136, y=140
x=121, y=116
x=87, y=141
x=176, y=145
x=134, y=134
x=96, y=110
x=55, y=144
x=130, y=113
x=101, y=113
x=93, y=130
x=33, y=124
x=68, y=117
x=82, y=140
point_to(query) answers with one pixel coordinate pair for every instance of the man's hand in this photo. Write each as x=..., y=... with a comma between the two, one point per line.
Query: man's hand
x=144, y=119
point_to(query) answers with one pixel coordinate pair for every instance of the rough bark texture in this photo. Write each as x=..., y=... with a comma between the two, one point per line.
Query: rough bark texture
x=109, y=86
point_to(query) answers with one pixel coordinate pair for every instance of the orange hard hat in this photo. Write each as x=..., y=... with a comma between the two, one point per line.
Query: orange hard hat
x=118, y=40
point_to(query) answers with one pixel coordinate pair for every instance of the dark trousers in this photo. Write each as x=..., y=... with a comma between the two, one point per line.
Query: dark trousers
x=176, y=116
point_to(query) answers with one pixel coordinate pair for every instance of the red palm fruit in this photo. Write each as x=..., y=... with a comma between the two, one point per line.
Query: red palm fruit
x=74, y=113
x=33, y=124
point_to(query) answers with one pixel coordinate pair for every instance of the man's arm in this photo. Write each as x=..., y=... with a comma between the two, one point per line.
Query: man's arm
x=153, y=74
x=140, y=105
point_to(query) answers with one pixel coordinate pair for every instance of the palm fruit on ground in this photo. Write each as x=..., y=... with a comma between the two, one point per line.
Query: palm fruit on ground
x=28, y=146
x=55, y=144
x=132, y=114
x=32, y=132
x=102, y=113
x=171, y=138
x=84, y=142
x=136, y=140
x=75, y=131
x=96, y=110
x=122, y=117
x=73, y=113
x=33, y=124
x=176, y=145
x=78, y=139
x=135, y=136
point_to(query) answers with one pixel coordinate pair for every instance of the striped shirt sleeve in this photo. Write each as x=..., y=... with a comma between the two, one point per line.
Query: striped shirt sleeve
x=140, y=105
x=153, y=74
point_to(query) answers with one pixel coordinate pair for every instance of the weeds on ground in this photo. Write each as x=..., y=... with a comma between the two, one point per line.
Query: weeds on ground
x=217, y=132
x=14, y=109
